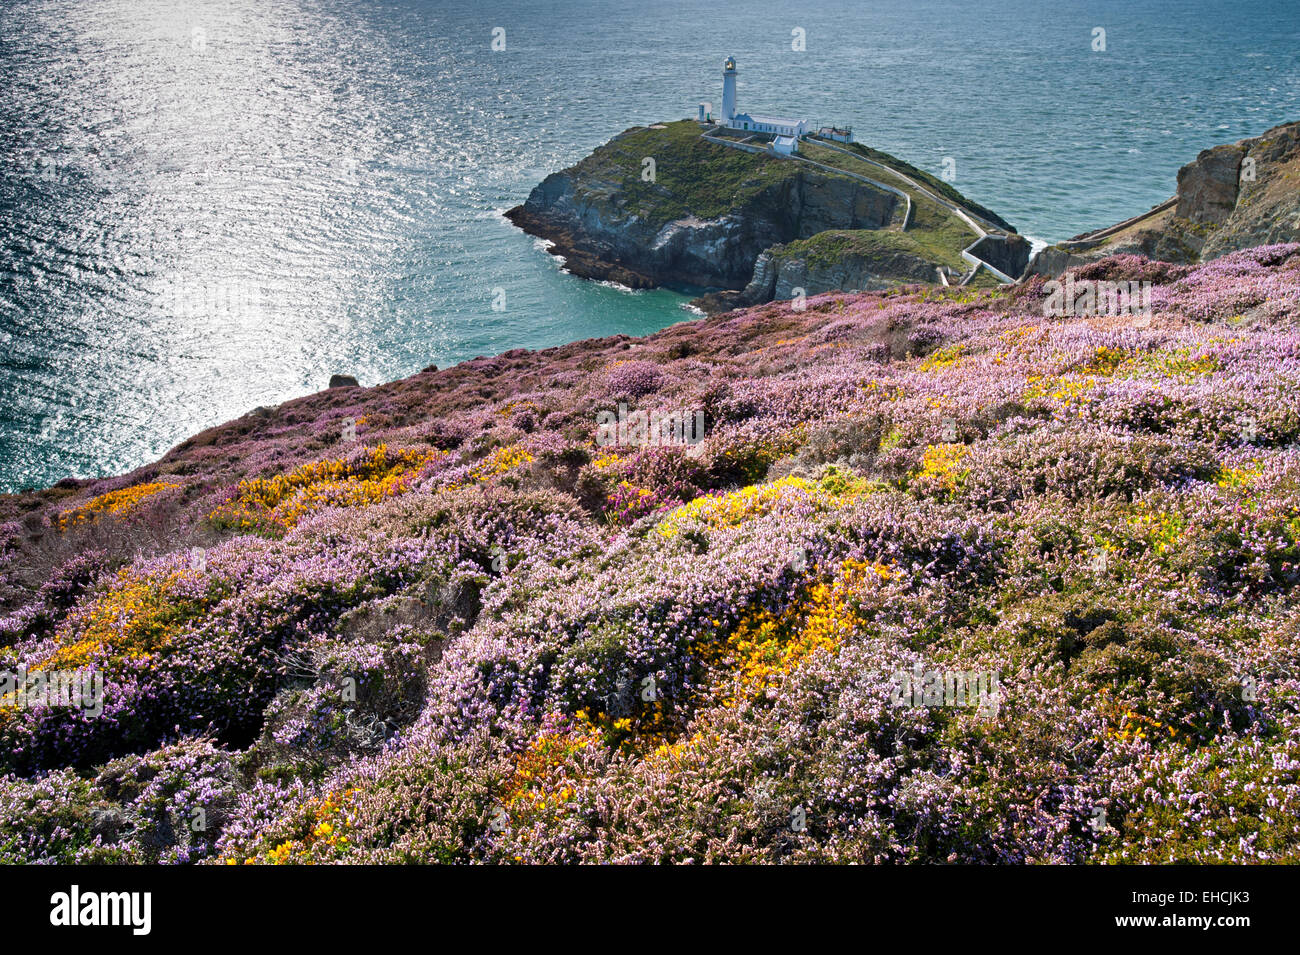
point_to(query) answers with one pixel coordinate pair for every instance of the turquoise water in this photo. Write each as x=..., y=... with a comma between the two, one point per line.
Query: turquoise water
x=207, y=207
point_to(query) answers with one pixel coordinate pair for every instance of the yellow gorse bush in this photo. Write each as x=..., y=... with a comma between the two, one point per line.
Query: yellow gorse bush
x=754, y=657
x=1063, y=391
x=766, y=647
x=132, y=620
x=947, y=357
x=889, y=390
x=1071, y=389
x=1183, y=363
x=511, y=407
x=734, y=508
x=941, y=464
x=1105, y=361
x=1161, y=529
x=114, y=502
x=283, y=500
x=1237, y=479
x=544, y=779
x=498, y=462
x=1125, y=723
x=328, y=822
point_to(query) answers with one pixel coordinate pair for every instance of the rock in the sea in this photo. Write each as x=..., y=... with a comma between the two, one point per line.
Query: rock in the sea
x=602, y=235
x=343, y=381
x=705, y=212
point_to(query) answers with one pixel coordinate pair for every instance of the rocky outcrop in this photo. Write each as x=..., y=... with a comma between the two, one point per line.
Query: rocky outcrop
x=671, y=204
x=603, y=235
x=1267, y=207
x=1207, y=187
x=1230, y=197
x=1008, y=254
x=779, y=276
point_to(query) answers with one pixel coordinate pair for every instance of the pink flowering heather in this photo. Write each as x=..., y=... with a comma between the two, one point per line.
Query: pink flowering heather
x=436, y=621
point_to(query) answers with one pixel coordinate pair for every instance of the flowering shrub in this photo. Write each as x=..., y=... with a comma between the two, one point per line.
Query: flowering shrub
x=364, y=477
x=735, y=507
x=941, y=471
x=119, y=502
x=632, y=379
x=319, y=834
x=483, y=636
x=647, y=481
x=766, y=647
x=167, y=806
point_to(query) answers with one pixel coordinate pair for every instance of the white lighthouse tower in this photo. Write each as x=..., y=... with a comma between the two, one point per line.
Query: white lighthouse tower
x=785, y=132
x=729, y=89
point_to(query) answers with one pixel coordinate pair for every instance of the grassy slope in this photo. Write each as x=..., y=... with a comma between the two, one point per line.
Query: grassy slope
x=827, y=247
x=1074, y=438
x=934, y=231
x=929, y=181
x=692, y=177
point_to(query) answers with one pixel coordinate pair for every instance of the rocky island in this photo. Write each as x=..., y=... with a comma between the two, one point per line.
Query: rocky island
x=712, y=211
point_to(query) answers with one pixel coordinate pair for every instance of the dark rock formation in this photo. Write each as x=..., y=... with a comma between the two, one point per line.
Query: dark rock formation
x=1229, y=198
x=601, y=238
x=1207, y=187
x=777, y=277
x=1008, y=254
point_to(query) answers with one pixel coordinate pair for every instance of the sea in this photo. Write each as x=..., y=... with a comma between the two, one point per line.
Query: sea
x=210, y=206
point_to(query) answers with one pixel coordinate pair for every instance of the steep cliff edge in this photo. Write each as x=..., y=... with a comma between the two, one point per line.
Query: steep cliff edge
x=836, y=260
x=668, y=205
x=1231, y=197
x=660, y=206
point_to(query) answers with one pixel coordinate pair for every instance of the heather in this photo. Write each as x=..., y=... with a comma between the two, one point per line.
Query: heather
x=436, y=621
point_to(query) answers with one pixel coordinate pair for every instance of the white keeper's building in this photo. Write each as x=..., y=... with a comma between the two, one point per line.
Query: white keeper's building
x=780, y=126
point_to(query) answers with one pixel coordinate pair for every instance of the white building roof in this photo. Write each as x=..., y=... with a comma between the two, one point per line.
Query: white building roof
x=785, y=140
x=769, y=120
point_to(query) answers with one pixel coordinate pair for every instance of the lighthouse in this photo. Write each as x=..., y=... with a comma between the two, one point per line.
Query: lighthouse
x=785, y=131
x=729, y=89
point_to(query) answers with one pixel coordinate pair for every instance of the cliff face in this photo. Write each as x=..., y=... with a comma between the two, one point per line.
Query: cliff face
x=853, y=271
x=665, y=235
x=782, y=272
x=1266, y=209
x=1231, y=197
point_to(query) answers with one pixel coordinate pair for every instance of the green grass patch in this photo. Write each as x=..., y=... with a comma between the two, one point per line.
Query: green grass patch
x=834, y=245
x=693, y=177
x=930, y=181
